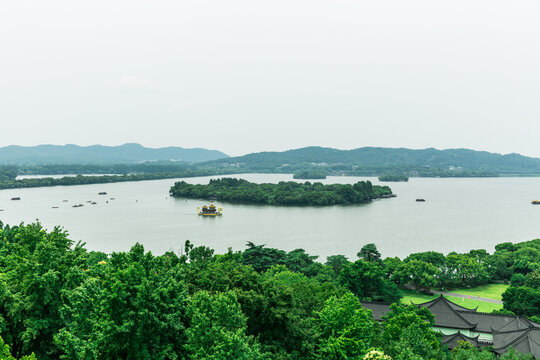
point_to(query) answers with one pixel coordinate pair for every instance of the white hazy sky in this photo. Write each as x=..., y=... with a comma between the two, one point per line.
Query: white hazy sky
x=245, y=76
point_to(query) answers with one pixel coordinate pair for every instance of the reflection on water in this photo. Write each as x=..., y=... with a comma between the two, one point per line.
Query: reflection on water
x=458, y=215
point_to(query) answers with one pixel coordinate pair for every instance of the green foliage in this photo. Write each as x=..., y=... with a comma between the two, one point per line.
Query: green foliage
x=466, y=351
x=345, y=329
x=59, y=301
x=407, y=334
x=394, y=177
x=5, y=354
x=367, y=281
x=7, y=174
x=374, y=354
x=37, y=270
x=369, y=252
x=418, y=273
x=336, y=262
x=374, y=161
x=218, y=329
x=290, y=301
x=310, y=175
x=283, y=193
x=522, y=300
x=101, y=179
x=514, y=355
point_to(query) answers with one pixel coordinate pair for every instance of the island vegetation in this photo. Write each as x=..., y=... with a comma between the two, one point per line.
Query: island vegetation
x=283, y=193
x=310, y=175
x=61, y=301
x=394, y=178
x=12, y=183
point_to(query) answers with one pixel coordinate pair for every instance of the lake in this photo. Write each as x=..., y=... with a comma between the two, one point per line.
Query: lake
x=458, y=215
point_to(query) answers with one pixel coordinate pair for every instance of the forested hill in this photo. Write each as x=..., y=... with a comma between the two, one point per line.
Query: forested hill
x=98, y=154
x=375, y=160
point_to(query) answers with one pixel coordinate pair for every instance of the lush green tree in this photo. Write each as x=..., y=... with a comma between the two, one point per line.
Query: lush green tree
x=514, y=355
x=283, y=193
x=336, y=262
x=367, y=281
x=299, y=261
x=290, y=300
x=5, y=354
x=37, y=268
x=418, y=273
x=533, y=279
x=131, y=307
x=466, y=351
x=369, y=252
x=522, y=300
x=464, y=270
x=262, y=258
x=407, y=334
x=344, y=328
x=218, y=329
x=374, y=354
x=518, y=279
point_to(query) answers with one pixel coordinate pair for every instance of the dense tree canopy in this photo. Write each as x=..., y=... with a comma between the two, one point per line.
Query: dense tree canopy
x=59, y=301
x=283, y=193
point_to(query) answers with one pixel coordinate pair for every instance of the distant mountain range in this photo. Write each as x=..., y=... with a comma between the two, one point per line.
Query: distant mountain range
x=98, y=154
x=362, y=161
x=375, y=160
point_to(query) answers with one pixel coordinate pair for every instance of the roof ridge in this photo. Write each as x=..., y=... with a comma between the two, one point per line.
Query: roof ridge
x=516, y=330
x=446, y=300
x=486, y=313
x=461, y=317
x=517, y=339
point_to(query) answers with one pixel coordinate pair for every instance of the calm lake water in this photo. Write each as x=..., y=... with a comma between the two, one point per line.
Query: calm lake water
x=458, y=215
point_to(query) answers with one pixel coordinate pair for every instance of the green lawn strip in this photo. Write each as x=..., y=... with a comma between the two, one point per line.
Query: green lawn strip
x=409, y=296
x=471, y=304
x=490, y=291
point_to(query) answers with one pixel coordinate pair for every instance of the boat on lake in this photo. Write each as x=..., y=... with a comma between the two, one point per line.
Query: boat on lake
x=420, y=200
x=535, y=202
x=211, y=210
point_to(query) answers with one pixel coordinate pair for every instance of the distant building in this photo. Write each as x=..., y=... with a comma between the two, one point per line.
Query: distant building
x=458, y=323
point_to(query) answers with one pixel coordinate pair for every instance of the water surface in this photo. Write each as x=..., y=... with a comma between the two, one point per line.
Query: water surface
x=458, y=215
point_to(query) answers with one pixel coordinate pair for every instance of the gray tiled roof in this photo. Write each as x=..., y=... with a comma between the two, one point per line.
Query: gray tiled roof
x=446, y=314
x=452, y=304
x=485, y=322
x=508, y=330
x=525, y=341
x=452, y=340
x=378, y=309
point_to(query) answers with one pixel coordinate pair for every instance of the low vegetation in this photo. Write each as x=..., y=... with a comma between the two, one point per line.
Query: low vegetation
x=394, y=178
x=310, y=175
x=283, y=193
x=60, y=301
x=95, y=179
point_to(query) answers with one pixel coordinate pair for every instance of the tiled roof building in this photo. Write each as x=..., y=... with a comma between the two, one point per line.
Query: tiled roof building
x=458, y=323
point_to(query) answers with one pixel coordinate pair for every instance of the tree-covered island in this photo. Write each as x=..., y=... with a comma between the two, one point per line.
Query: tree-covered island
x=310, y=175
x=394, y=178
x=283, y=193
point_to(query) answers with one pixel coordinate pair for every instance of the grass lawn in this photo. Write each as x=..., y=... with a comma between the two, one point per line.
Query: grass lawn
x=490, y=291
x=409, y=295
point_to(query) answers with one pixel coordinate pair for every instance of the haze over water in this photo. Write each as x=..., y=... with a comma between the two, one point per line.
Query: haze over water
x=459, y=215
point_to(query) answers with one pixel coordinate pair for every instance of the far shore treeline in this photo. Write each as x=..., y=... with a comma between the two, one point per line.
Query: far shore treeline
x=282, y=193
x=60, y=301
x=8, y=181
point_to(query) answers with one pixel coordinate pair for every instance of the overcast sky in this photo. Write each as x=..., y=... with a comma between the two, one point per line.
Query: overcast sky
x=246, y=76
